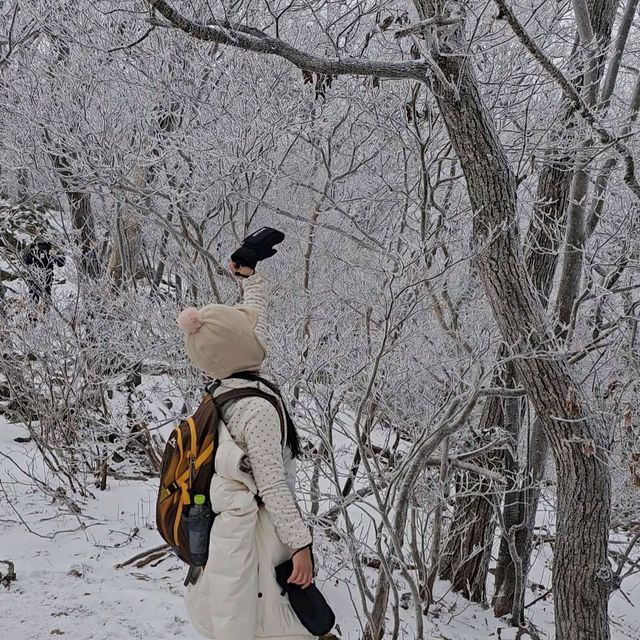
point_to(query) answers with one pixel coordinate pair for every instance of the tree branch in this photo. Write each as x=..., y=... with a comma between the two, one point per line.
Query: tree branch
x=618, y=49
x=146, y=34
x=416, y=28
x=251, y=39
x=574, y=97
x=502, y=392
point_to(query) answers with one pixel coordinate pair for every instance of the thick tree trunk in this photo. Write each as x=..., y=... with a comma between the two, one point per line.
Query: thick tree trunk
x=543, y=246
x=465, y=559
x=84, y=224
x=544, y=238
x=543, y=243
x=578, y=440
x=541, y=259
x=474, y=515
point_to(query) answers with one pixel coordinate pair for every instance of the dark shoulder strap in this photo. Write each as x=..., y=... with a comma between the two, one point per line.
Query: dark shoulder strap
x=282, y=407
x=248, y=392
x=254, y=377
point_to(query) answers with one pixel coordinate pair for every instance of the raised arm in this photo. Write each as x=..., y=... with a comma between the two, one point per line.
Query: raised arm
x=256, y=247
x=255, y=294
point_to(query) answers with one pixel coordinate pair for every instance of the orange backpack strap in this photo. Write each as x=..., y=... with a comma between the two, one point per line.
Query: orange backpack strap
x=249, y=392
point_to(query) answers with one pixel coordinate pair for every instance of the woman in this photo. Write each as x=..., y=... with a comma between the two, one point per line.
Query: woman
x=237, y=597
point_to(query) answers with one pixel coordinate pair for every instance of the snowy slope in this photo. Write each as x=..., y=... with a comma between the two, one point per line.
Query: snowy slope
x=68, y=584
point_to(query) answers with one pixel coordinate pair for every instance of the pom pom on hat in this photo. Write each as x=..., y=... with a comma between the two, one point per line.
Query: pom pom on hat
x=190, y=320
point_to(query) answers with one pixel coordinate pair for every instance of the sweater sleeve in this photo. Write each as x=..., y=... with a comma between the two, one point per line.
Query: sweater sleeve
x=263, y=439
x=255, y=294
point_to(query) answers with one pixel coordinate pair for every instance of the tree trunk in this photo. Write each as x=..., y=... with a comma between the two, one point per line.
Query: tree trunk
x=124, y=261
x=466, y=556
x=84, y=224
x=542, y=253
x=436, y=539
x=527, y=500
x=543, y=246
x=506, y=576
x=465, y=559
x=577, y=438
x=126, y=251
x=543, y=242
x=81, y=212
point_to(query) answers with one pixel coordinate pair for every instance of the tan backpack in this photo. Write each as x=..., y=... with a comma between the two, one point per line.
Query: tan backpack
x=188, y=464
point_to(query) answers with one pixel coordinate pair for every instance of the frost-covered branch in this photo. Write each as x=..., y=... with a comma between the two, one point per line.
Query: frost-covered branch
x=251, y=39
x=576, y=100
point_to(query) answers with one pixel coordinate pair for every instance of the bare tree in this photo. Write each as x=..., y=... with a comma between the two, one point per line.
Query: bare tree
x=578, y=438
x=442, y=171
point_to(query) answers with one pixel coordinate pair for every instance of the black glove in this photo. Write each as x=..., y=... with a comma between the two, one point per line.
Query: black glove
x=308, y=604
x=256, y=247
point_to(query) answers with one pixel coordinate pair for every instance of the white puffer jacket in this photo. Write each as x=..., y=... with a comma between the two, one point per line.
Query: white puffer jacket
x=237, y=596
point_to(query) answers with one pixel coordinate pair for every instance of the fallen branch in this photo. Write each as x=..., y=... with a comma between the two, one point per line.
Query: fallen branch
x=144, y=554
x=152, y=557
x=541, y=597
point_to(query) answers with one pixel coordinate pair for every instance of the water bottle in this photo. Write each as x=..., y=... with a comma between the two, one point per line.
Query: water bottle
x=199, y=520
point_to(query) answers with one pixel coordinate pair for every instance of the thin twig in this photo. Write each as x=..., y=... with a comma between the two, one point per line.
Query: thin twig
x=147, y=33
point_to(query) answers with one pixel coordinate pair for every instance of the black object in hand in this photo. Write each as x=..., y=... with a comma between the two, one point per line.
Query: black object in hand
x=256, y=247
x=308, y=604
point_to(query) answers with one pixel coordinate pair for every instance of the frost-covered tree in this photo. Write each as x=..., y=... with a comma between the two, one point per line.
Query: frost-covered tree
x=455, y=298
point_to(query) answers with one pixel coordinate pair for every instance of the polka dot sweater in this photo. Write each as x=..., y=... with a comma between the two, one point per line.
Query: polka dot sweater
x=254, y=425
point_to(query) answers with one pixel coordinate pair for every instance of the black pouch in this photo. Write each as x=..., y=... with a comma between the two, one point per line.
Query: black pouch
x=309, y=604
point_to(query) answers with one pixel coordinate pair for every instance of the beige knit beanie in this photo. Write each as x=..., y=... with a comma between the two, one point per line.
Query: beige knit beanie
x=221, y=340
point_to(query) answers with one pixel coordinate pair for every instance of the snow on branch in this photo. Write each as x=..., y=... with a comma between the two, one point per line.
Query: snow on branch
x=418, y=27
x=252, y=39
x=572, y=94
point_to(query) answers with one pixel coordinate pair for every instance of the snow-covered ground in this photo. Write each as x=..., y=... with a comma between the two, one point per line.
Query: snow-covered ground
x=68, y=583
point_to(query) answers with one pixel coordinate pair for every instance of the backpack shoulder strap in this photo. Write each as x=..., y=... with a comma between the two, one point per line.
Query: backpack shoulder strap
x=248, y=392
x=254, y=377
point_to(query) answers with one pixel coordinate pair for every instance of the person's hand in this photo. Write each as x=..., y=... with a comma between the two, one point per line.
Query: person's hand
x=302, y=573
x=240, y=271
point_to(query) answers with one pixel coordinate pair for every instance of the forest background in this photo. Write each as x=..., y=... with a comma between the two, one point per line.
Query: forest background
x=455, y=308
